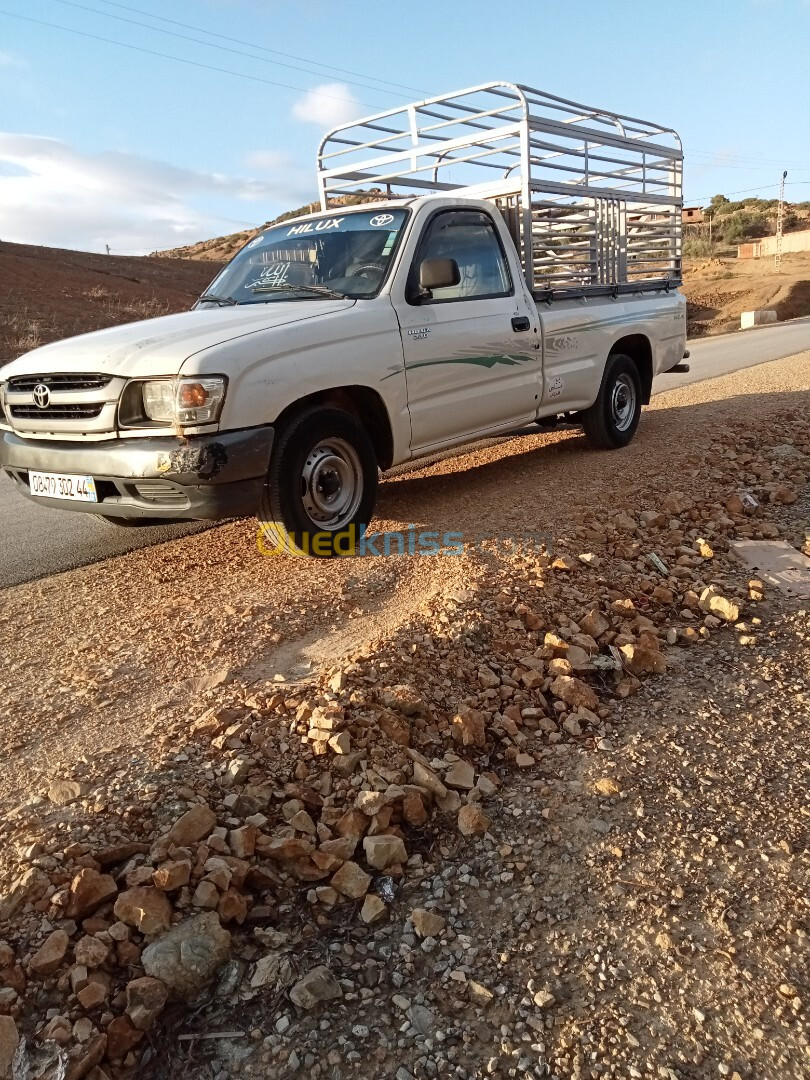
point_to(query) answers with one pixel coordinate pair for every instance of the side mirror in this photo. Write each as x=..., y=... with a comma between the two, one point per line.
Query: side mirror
x=438, y=274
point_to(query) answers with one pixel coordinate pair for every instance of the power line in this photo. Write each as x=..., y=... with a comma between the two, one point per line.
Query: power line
x=179, y=59
x=746, y=191
x=262, y=48
x=212, y=44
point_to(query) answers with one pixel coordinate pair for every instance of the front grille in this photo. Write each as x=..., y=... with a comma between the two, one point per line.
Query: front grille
x=57, y=412
x=22, y=384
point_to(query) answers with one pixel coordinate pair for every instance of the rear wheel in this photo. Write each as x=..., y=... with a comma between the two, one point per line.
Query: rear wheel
x=321, y=485
x=611, y=421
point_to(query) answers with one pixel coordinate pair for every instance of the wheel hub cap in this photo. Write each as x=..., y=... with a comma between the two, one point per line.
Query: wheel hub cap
x=623, y=402
x=331, y=484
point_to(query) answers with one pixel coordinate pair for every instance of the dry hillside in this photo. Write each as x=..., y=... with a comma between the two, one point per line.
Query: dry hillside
x=51, y=294
x=719, y=289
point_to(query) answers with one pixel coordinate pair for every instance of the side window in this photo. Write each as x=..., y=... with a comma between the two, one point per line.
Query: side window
x=469, y=237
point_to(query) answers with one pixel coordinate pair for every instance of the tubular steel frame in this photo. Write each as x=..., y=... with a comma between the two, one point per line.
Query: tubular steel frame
x=592, y=198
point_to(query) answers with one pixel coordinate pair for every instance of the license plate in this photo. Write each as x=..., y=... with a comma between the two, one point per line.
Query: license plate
x=57, y=486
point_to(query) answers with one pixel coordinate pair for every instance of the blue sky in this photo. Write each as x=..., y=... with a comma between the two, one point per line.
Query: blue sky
x=102, y=144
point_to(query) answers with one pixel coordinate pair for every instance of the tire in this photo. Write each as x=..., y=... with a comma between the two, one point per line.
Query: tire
x=321, y=486
x=611, y=421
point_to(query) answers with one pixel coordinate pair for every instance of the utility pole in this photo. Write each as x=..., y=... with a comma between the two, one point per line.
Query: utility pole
x=780, y=214
x=107, y=246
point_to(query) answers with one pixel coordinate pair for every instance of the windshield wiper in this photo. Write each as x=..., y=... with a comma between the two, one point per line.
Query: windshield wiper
x=212, y=298
x=317, y=290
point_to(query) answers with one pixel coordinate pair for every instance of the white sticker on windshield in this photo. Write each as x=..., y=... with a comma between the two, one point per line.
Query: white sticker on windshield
x=382, y=219
x=315, y=226
x=271, y=275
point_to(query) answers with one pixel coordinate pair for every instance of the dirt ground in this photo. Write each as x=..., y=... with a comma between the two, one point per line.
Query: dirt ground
x=719, y=290
x=636, y=904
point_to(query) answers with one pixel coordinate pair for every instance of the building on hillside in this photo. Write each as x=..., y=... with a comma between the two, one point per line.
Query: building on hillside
x=692, y=215
x=760, y=249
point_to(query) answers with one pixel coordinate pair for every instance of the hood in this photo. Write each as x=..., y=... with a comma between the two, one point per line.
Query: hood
x=161, y=346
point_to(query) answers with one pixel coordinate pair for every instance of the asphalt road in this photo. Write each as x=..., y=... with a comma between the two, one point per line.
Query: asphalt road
x=36, y=542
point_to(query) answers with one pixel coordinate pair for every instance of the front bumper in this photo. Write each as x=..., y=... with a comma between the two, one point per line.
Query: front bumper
x=204, y=477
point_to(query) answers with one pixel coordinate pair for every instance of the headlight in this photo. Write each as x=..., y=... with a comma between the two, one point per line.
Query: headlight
x=184, y=401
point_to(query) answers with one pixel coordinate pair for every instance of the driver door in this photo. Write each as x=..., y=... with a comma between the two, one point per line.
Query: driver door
x=471, y=361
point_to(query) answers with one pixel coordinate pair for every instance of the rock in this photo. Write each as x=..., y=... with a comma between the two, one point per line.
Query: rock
x=426, y=778
x=716, y=604
x=193, y=826
x=574, y=692
x=427, y=923
x=422, y=1019
x=49, y=957
x=544, y=999
x=472, y=821
x=414, y=811
x=370, y=802
x=384, y=851
x=373, y=908
x=28, y=888
x=351, y=880
x=524, y=761
x=594, y=623
x=59, y=1030
x=87, y=1065
x=122, y=1036
x=144, y=907
x=90, y=952
x=242, y=842
x=62, y=792
x=92, y=996
x=638, y=660
x=479, y=993
x=9, y=1040
x=572, y=726
x=285, y=848
x=273, y=970
x=189, y=955
x=469, y=728
x=488, y=679
x=206, y=895
x=232, y=906
x=460, y=776
x=316, y=986
x=172, y=875
x=146, y=998
x=89, y=890
x=341, y=743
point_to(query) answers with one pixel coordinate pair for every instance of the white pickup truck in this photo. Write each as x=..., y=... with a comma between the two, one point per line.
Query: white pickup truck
x=533, y=278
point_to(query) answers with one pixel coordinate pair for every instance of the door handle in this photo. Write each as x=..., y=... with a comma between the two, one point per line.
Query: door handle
x=521, y=322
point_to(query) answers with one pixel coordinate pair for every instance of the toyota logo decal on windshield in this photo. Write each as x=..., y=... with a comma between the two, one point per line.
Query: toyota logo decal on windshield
x=382, y=219
x=42, y=396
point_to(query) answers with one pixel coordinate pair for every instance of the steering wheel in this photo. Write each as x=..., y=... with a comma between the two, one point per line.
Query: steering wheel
x=363, y=270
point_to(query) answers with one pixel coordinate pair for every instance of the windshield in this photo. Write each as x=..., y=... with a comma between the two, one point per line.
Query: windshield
x=346, y=254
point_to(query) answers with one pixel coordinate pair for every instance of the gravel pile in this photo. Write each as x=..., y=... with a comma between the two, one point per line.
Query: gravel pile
x=550, y=821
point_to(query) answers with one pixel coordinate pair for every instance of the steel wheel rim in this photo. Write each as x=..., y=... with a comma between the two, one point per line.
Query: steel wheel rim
x=331, y=484
x=623, y=402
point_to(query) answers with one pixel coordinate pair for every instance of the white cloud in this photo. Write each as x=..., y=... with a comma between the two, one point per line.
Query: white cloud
x=328, y=106
x=54, y=194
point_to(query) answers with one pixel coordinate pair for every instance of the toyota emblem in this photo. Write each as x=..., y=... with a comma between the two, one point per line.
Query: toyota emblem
x=42, y=396
x=382, y=219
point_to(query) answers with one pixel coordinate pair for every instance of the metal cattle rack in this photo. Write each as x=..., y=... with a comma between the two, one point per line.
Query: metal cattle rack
x=592, y=198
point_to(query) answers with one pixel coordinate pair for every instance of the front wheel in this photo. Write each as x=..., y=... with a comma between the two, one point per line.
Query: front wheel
x=321, y=486
x=611, y=421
